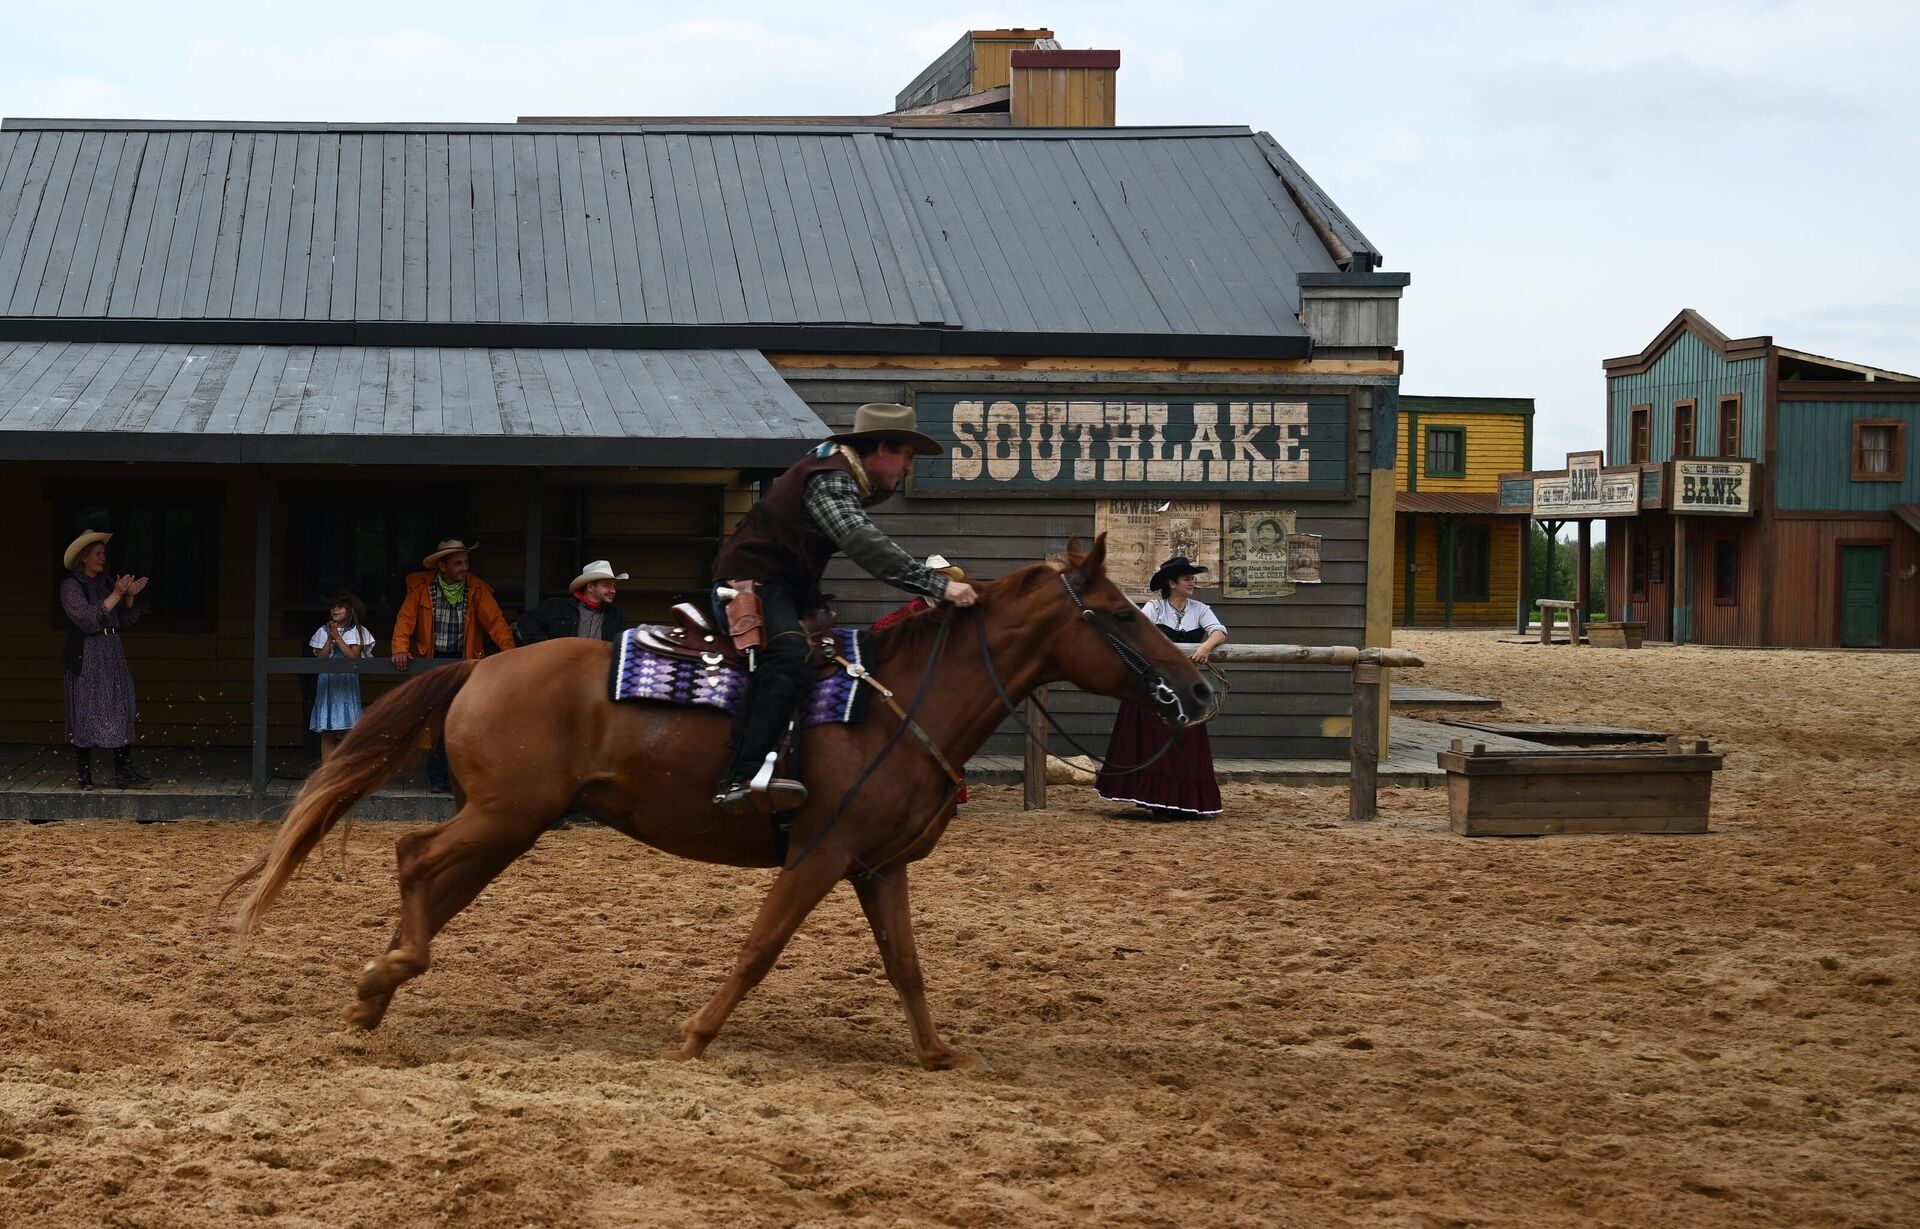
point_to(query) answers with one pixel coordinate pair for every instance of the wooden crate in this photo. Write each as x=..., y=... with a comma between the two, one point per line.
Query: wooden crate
x=1616, y=635
x=1537, y=793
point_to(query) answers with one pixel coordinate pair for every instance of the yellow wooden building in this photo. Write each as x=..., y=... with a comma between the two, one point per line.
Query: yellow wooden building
x=1458, y=560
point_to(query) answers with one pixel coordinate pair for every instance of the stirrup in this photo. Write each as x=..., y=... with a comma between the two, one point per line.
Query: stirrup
x=780, y=794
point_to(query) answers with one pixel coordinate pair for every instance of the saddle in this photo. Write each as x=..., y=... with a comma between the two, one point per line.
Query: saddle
x=691, y=637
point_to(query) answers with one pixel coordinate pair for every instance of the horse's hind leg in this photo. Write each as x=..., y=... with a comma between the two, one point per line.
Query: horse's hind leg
x=441, y=870
x=891, y=915
x=789, y=901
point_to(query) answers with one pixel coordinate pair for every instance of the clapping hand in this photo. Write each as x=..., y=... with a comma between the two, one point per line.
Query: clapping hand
x=135, y=585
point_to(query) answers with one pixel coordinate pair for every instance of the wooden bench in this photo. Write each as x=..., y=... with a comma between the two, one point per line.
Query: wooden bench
x=1547, y=606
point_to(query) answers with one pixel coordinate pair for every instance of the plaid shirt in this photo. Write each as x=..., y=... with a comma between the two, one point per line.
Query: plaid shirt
x=449, y=623
x=833, y=501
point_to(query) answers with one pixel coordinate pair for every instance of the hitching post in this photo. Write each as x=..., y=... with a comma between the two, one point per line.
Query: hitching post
x=1035, y=774
x=1363, y=754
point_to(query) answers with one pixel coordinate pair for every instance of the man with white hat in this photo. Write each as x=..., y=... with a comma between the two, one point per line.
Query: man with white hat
x=815, y=510
x=588, y=610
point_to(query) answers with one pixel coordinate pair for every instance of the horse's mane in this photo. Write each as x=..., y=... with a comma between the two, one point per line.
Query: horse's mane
x=917, y=632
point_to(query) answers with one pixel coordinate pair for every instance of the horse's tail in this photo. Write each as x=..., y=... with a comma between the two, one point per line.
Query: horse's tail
x=385, y=740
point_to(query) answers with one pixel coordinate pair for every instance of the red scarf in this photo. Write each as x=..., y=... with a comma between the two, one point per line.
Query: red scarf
x=584, y=600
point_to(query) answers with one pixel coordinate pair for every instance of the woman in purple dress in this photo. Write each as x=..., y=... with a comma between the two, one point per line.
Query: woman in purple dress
x=100, y=704
x=1180, y=784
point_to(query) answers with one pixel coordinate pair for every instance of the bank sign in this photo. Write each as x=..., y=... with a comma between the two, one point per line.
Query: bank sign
x=1294, y=445
x=1720, y=487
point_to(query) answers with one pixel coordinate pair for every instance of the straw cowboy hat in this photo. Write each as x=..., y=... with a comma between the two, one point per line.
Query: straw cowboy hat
x=599, y=569
x=938, y=563
x=1172, y=570
x=447, y=546
x=81, y=543
x=889, y=423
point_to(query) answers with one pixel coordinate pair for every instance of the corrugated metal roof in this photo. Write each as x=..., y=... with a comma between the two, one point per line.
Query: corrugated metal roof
x=1162, y=231
x=379, y=405
x=1450, y=503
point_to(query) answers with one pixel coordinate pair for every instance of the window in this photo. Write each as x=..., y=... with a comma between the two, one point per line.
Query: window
x=1683, y=428
x=1726, y=572
x=1879, y=449
x=1640, y=439
x=165, y=532
x=1637, y=568
x=365, y=539
x=1446, y=452
x=1730, y=426
x=1472, y=561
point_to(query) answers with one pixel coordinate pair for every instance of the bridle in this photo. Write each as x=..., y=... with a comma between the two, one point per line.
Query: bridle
x=1158, y=691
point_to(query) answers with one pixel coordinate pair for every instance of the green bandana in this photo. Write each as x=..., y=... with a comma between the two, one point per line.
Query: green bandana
x=455, y=594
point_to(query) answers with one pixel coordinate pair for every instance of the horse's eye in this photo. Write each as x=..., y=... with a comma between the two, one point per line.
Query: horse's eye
x=1123, y=616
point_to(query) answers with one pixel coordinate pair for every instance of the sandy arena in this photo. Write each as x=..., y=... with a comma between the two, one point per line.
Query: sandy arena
x=1274, y=1019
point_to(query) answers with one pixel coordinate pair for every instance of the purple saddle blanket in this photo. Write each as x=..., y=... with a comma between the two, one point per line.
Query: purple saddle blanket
x=641, y=674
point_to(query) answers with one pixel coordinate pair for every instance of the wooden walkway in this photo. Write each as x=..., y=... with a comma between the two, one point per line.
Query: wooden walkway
x=37, y=783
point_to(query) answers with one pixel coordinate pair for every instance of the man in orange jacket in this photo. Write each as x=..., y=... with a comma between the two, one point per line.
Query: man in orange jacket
x=448, y=612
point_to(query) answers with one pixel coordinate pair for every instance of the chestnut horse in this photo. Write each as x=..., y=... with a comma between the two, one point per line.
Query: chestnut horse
x=532, y=736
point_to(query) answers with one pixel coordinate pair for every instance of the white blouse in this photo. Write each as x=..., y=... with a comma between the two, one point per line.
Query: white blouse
x=1197, y=614
x=353, y=635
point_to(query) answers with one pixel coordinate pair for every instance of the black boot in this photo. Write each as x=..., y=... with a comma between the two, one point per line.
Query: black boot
x=83, y=757
x=773, y=695
x=125, y=775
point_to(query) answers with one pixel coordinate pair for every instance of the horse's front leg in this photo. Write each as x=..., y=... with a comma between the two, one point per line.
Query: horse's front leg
x=884, y=898
x=791, y=899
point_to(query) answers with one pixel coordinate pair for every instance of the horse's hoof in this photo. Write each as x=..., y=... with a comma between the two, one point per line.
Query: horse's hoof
x=681, y=1054
x=956, y=1060
x=366, y=1015
x=373, y=981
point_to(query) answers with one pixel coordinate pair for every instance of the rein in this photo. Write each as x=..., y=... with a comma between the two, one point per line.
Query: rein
x=1157, y=690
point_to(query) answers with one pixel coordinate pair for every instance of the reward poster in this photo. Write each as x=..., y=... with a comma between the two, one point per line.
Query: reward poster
x=1144, y=533
x=1258, y=556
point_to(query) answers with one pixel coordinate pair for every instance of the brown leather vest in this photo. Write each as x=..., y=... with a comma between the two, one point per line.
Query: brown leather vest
x=777, y=543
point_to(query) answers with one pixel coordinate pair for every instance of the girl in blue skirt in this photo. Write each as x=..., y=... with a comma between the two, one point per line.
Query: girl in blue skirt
x=336, y=697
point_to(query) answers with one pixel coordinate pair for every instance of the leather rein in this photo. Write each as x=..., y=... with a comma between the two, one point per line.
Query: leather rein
x=1156, y=686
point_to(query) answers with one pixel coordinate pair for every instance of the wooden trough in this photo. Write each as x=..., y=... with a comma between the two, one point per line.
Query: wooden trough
x=1617, y=635
x=1538, y=793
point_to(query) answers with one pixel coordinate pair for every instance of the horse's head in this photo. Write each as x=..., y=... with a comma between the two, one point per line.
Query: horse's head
x=1105, y=645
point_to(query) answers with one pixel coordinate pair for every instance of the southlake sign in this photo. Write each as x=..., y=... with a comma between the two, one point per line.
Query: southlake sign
x=1295, y=445
x=1723, y=488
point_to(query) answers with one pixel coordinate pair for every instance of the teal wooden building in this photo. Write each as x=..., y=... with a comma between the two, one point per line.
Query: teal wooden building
x=1780, y=494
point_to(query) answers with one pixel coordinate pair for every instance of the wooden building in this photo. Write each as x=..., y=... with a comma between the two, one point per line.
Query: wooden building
x=1459, y=560
x=277, y=359
x=1779, y=494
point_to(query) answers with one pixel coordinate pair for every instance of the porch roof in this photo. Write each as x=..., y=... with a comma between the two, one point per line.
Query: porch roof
x=373, y=405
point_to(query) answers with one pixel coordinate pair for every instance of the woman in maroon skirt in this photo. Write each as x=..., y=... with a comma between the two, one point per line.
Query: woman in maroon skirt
x=1180, y=784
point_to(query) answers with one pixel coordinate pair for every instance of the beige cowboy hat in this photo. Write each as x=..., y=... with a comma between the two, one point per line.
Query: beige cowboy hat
x=938, y=563
x=445, y=547
x=891, y=423
x=599, y=569
x=81, y=543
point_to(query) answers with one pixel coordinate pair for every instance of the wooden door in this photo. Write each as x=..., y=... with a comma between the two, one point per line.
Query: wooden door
x=1659, y=612
x=1863, y=595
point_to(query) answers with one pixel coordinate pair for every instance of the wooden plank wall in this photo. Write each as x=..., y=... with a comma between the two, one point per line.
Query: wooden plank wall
x=1804, y=608
x=1815, y=450
x=1742, y=622
x=1496, y=444
x=1689, y=369
x=1063, y=98
x=1429, y=609
x=1273, y=712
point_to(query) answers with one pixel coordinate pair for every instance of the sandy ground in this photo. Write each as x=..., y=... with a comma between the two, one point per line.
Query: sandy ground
x=1274, y=1019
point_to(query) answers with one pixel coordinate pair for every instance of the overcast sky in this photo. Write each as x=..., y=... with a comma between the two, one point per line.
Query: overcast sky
x=1559, y=179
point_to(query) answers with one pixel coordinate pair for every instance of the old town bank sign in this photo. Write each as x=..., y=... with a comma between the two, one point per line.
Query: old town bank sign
x=1301, y=446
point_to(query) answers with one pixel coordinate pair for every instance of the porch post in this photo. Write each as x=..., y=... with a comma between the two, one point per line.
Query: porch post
x=1523, y=606
x=536, y=507
x=262, y=581
x=1583, y=582
x=1450, y=557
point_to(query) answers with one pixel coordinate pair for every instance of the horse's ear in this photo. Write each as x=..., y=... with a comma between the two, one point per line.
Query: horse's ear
x=1075, y=551
x=1094, y=564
